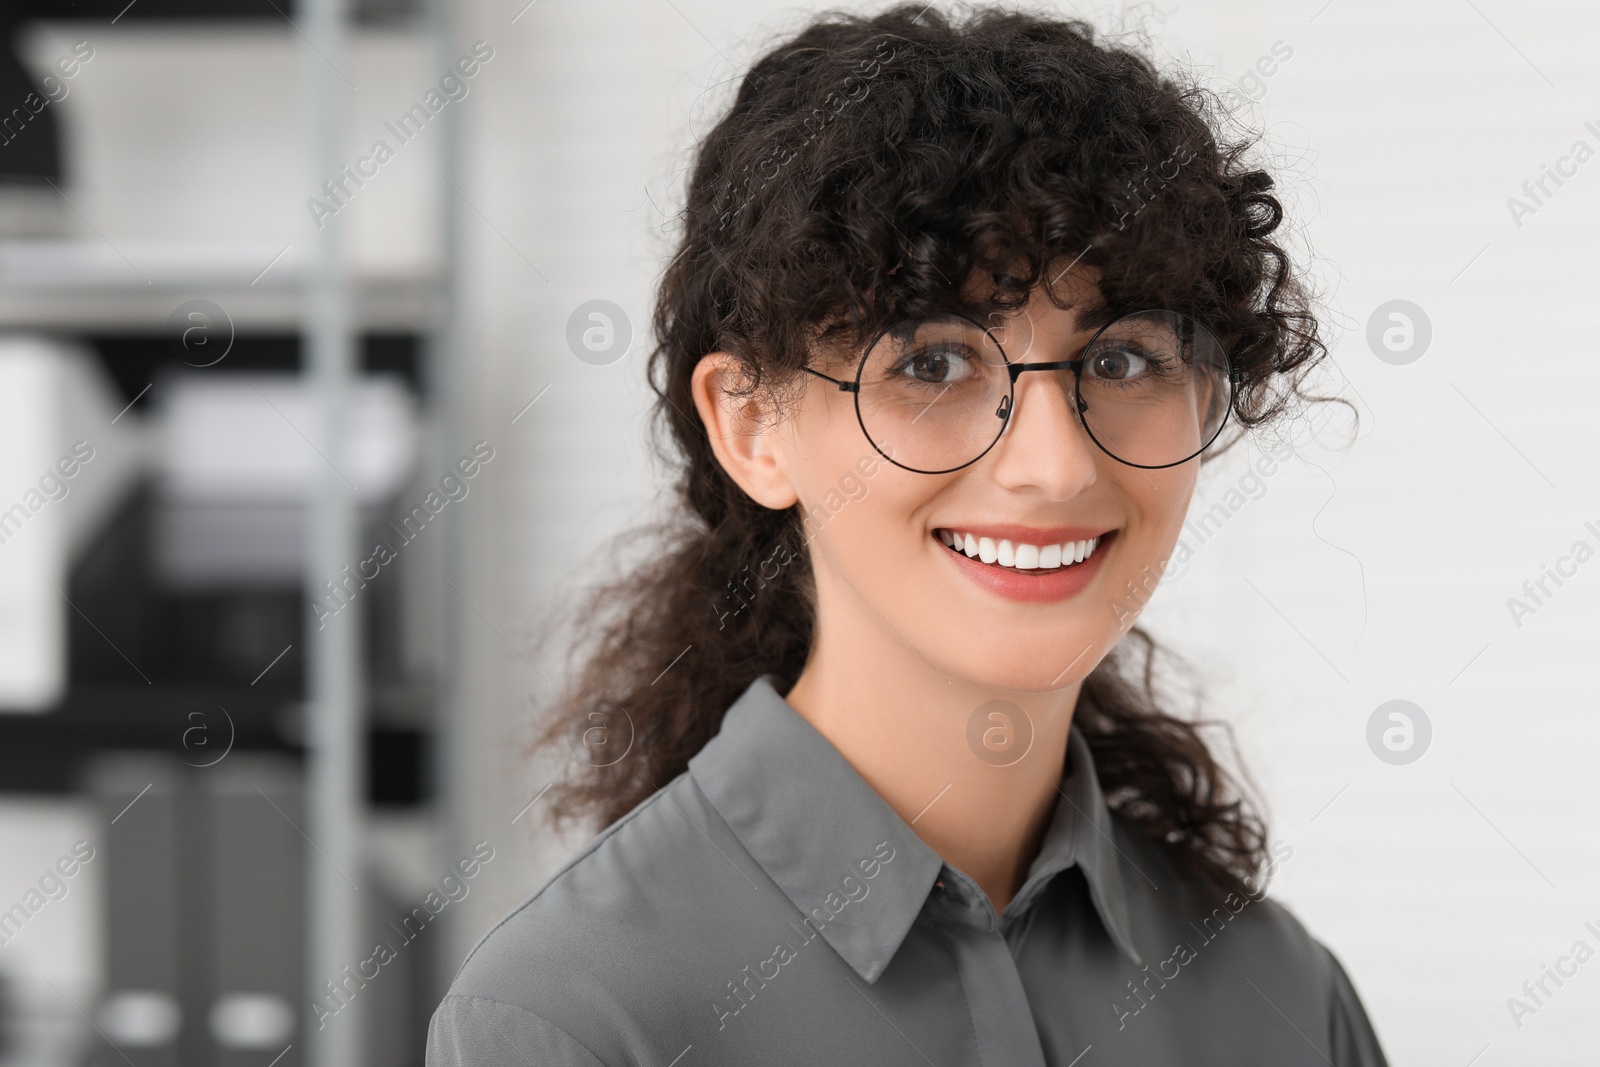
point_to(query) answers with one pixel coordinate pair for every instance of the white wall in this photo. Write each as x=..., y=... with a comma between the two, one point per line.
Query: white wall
x=1446, y=883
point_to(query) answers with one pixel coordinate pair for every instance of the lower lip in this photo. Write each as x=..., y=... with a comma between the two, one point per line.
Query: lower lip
x=1033, y=586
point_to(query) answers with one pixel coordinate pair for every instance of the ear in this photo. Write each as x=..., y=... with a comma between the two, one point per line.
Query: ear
x=743, y=431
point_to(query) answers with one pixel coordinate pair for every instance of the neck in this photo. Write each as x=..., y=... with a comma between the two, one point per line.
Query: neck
x=903, y=725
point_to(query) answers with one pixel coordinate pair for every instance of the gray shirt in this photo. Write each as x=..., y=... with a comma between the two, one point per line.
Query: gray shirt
x=768, y=907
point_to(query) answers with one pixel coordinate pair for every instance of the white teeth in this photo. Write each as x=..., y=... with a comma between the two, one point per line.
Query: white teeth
x=1020, y=556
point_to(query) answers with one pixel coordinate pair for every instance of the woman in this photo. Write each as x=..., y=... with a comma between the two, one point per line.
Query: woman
x=883, y=770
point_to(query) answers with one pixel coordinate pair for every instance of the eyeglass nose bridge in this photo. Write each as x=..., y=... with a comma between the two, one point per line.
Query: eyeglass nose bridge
x=1013, y=370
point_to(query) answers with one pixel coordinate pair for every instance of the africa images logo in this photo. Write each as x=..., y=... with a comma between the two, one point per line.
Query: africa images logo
x=1140, y=994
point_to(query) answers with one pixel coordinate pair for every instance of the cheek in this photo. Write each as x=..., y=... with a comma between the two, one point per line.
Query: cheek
x=863, y=527
x=1158, y=504
x=823, y=439
x=868, y=524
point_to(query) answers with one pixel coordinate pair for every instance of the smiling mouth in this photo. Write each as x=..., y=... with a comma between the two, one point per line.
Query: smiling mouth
x=1022, y=558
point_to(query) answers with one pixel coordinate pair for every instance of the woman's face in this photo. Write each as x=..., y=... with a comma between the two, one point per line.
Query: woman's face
x=878, y=533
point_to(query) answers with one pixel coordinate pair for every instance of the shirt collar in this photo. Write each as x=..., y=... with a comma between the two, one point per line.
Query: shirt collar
x=821, y=833
x=1081, y=832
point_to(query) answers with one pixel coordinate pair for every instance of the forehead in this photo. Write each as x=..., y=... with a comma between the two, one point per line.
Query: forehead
x=1067, y=294
x=1065, y=306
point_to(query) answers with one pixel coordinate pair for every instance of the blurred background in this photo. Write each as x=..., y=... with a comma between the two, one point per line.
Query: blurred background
x=305, y=439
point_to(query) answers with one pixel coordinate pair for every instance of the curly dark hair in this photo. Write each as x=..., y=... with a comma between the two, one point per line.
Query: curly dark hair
x=867, y=166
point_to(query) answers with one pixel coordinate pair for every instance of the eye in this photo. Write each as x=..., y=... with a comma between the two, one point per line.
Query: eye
x=1120, y=364
x=937, y=364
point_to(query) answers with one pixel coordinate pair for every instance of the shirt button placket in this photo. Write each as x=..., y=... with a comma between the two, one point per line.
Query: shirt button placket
x=1004, y=1029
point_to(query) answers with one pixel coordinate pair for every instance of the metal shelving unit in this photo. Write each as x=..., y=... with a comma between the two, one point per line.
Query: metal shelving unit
x=333, y=707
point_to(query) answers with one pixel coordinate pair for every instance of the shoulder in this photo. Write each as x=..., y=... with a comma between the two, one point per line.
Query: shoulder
x=1250, y=947
x=1243, y=936
x=612, y=891
x=488, y=1033
x=589, y=953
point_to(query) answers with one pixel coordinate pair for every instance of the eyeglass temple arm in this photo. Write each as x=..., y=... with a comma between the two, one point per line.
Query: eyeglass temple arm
x=844, y=387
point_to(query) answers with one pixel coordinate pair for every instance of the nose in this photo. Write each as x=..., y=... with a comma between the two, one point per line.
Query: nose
x=1044, y=444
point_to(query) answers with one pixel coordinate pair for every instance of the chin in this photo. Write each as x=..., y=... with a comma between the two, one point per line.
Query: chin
x=1032, y=667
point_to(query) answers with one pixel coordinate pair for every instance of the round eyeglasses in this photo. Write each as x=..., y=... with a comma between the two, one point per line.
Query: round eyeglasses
x=1152, y=389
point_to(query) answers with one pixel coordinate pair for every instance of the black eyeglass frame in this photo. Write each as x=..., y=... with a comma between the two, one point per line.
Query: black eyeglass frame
x=1013, y=370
